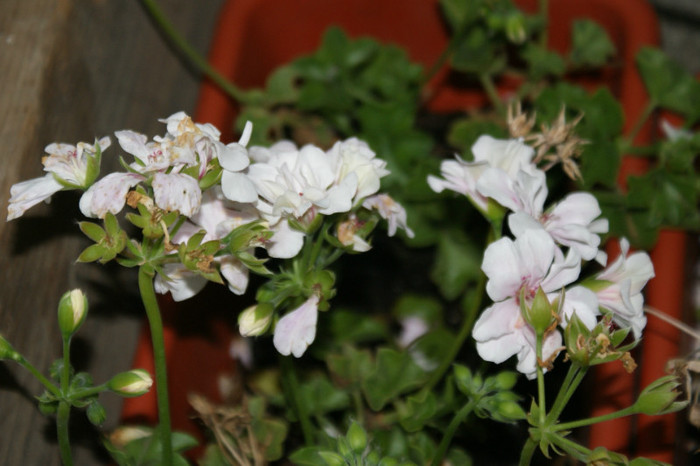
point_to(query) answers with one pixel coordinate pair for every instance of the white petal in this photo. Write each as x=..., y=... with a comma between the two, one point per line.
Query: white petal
x=238, y=187
x=29, y=193
x=233, y=157
x=108, y=194
x=175, y=191
x=180, y=282
x=297, y=329
x=285, y=242
x=235, y=273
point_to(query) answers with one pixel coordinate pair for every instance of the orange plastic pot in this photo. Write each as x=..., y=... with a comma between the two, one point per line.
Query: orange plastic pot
x=253, y=37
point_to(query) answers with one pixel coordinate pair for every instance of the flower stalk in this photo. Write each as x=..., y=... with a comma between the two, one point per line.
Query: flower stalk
x=155, y=323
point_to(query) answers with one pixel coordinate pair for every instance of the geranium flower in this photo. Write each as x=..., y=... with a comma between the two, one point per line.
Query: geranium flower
x=391, y=211
x=507, y=156
x=296, y=330
x=627, y=276
x=525, y=264
x=68, y=167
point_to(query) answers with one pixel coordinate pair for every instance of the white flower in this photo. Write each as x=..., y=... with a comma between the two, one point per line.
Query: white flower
x=627, y=277
x=507, y=156
x=71, y=164
x=525, y=264
x=355, y=156
x=108, y=194
x=297, y=329
x=152, y=156
x=68, y=166
x=391, y=211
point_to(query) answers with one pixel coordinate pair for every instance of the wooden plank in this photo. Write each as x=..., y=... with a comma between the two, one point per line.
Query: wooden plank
x=72, y=71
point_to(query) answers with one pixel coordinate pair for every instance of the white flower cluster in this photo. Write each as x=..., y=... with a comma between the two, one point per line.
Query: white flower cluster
x=283, y=187
x=502, y=174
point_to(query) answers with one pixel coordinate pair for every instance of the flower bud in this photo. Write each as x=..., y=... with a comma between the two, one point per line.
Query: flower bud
x=135, y=382
x=357, y=438
x=332, y=458
x=515, y=28
x=255, y=320
x=539, y=314
x=659, y=397
x=72, y=309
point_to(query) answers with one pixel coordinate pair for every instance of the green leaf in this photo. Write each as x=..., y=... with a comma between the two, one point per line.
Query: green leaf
x=669, y=84
x=351, y=366
x=394, y=373
x=308, y=456
x=590, y=44
x=271, y=434
x=543, y=62
x=417, y=411
x=426, y=307
x=321, y=396
x=92, y=231
x=457, y=262
x=348, y=326
x=280, y=86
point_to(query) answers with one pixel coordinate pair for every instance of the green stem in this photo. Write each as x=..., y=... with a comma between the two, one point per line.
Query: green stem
x=80, y=394
x=568, y=387
x=450, y=431
x=491, y=92
x=292, y=383
x=62, y=418
x=155, y=323
x=190, y=53
x=594, y=420
x=65, y=371
x=628, y=141
x=527, y=452
x=55, y=391
x=541, y=402
x=575, y=450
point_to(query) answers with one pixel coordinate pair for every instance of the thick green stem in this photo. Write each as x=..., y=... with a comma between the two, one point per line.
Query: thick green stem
x=62, y=417
x=290, y=378
x=80, y=394
x=594, y=420
x=541, y=402
x=155, y=323
x=450, y=431
x=189, y=52
x=568, y=388
x=527, y=452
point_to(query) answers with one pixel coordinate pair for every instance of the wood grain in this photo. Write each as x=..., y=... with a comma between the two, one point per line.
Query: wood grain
x=73, y=70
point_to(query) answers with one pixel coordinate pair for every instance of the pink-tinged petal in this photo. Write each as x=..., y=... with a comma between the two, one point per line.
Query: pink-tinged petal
x=108, y=194
x=238, y=187
x=235, y=273
x=536, y=252
x=29, y=193
x=582, y=301
x=177, y=192
x=391, y=211
x=179, y=281
x=498, y=320
x=285, y=242
x=578, y=208
x=500, y=349
x=297, y=329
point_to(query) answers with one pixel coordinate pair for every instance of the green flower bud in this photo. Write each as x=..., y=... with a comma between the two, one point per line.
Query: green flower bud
x=659, y=397
x=331, y=458
x=576, y=338
x=540, y=314
x=515, y=28
x=72, y=309
x=357, y=438
x=255, y=320
x=506, y=380
x=135, y=382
